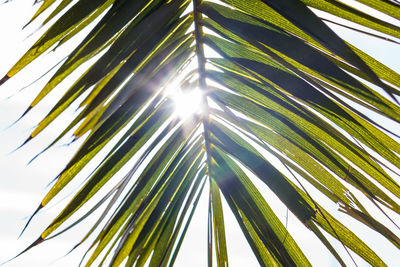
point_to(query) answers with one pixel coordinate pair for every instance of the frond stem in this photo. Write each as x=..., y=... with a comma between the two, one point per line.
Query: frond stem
x=201, y=59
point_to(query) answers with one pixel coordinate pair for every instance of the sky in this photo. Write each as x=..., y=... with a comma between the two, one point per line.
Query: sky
x=22, y=186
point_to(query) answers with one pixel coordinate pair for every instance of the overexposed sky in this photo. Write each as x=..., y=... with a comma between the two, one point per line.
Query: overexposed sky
x=22, y=187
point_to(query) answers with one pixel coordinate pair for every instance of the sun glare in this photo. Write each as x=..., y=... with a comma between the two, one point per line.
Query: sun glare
x=186, y=102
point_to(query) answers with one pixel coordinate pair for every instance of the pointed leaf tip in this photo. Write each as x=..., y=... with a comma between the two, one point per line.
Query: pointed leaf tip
x=26, y=25
x=26, y=141
x=25, y=112
x=35, y=243
x=4, y=79
x=15, y=122
x=29, y=220
x=32, y=159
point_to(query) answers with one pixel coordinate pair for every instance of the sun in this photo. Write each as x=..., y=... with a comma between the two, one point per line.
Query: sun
x=186, y=102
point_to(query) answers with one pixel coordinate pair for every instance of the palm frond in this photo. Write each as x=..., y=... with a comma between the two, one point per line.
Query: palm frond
x=285, y=102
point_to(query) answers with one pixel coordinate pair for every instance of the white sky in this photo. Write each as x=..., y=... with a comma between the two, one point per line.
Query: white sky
x=22, y=186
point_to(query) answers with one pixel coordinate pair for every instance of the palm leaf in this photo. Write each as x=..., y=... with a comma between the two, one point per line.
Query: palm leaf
x=275, y=80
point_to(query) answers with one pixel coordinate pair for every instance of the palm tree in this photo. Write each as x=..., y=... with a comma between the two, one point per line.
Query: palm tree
x=284, y=102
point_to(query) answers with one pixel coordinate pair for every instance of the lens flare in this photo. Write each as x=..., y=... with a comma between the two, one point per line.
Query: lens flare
x=186, y=102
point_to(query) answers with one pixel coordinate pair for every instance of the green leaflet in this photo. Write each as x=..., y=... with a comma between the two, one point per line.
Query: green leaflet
x=179, y=243
x=340, y=232
x=121, y=48
x=293, y=16
x=263, y=255
x=356, y=122
x=58, y=9
x=106, y=86
x=384, y=6
x=149, y=235
x=122, y=15
x=65, y=24
x=393, y=203
x=283, y=83
x=305, y=19
x=336, y=191
x=348, y=238
x=142, y=79
x=383, y=71
x=159, y=228
x=170, y=205
x=348, y=121
x=317, y=125
x=118, y=189
x=372, y=223
x=43, y=7
x=290, y=48
x=197, y=187
x=111, y=166
x=108, y=129
x=347, y=12
x=88, y=150
x=260, y=10
x=157, y=195
x=139, y=95
x=242, y=196
x=325, y=241
x=157, y=167
x=362, y=217
x=137, y=60
x=241, y=150
x=218, y=224
x=294, y=132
